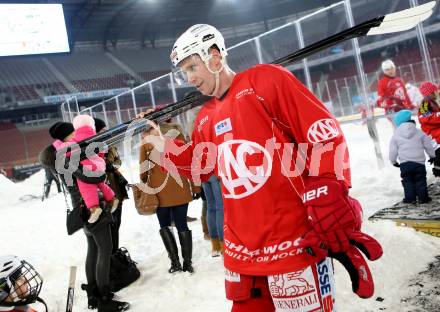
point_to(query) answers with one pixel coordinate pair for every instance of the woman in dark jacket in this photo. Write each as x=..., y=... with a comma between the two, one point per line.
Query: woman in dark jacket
x=116, y=181
x=173, y=202
x=98, y=234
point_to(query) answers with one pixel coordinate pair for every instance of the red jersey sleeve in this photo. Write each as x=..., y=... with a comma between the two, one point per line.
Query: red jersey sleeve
x=305, y=120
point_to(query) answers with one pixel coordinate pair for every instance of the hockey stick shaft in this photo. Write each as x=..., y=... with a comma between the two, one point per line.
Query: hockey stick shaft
x=350, y=33
x=71, y=289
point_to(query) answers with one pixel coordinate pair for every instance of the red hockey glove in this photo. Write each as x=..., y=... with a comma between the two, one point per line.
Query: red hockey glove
x=336, y=221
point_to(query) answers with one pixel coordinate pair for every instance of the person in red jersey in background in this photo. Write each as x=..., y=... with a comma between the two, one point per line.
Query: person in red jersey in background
x=391, y=91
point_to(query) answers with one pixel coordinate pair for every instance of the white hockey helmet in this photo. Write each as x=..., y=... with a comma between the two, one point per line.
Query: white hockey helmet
x=388, y=64
x=197, y=40
x=20, y=284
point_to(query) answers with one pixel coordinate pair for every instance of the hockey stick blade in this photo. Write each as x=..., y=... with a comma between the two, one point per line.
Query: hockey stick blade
x=411, y=12
x=395, y=26
x=403, y=20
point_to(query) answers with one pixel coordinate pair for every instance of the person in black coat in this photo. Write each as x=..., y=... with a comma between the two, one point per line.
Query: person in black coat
x=116, y=181
x=98, y=235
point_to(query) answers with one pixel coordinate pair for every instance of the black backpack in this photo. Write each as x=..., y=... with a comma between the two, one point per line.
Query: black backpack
x=123, y=270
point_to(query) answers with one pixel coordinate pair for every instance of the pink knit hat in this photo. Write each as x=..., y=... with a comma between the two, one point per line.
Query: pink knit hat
x=426, y=88
x=83, y=120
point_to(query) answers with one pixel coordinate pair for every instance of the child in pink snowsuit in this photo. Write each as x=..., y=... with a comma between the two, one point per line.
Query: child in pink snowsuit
x=84, y=126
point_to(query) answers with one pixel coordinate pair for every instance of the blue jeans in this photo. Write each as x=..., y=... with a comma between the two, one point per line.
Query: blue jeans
x=214, y=215
x=166, y=215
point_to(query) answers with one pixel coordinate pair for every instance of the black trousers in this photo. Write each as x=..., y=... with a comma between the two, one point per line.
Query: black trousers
x=99, y=250
x=414, y=181
x=117, y=215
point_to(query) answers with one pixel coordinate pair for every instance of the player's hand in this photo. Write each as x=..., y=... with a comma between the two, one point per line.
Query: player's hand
x=143, y=114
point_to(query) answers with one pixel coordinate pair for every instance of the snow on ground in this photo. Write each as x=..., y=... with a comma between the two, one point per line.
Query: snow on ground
x=36, y=231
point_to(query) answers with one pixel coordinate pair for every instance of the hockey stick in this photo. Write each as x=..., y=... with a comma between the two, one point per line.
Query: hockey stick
x=390, y=23
x=71, y=289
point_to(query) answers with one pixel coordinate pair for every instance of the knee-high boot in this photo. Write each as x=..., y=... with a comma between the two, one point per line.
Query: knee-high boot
x=186, y=244
x=170, y=245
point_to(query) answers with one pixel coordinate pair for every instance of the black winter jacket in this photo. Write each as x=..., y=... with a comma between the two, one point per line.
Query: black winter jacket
x=47, y=159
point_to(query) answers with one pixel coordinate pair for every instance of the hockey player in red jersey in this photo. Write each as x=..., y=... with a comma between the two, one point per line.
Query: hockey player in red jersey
x=283, y=163
x=391, y=91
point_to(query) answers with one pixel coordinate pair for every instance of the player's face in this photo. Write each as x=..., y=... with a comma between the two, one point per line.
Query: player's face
x=390, y=72
x=197, y=74
x=21, y=289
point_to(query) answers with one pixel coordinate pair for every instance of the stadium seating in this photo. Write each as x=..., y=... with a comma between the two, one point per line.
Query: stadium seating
x=147, y=76
x=23, y=146
x=142, y=60
x=81, y=65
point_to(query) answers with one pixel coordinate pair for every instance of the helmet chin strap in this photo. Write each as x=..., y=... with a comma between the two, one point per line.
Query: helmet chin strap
x=216, y=74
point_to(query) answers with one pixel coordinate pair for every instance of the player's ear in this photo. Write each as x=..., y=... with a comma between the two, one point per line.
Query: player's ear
x=216, y=56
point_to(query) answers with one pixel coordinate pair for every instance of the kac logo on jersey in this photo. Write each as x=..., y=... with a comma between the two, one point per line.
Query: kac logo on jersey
x=223, y=126
x=239, y=179
x=322, y=130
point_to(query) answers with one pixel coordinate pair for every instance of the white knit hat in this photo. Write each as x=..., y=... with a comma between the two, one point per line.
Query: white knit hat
x=83, y=120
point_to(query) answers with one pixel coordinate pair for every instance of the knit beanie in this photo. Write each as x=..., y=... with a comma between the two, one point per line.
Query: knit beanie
x=83, y=120
x=427, y=88
x=402, y=116
x=60, y=130
x=99, y=124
